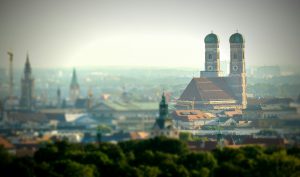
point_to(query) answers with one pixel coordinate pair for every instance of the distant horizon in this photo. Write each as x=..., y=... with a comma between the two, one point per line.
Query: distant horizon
x=137, y=67
x=167, y=33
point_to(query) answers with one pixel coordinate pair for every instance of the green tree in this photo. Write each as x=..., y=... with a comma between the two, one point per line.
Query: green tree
x=149, y=171
x=185, y=136
x=68, y=168
x=194, y=161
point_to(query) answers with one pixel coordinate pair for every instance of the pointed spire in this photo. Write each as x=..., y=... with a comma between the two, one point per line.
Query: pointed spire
x=27, y=64
x=27, y=57
x=74, y=73
x=163, y=99
x=74, y=82
x=74, y=77
x=58, y=92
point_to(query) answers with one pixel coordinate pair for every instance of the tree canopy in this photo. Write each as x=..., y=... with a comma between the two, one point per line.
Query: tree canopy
x=158, y=157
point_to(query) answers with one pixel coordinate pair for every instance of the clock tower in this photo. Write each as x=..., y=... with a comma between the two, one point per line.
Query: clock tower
x=237, y=76
x=212, y=56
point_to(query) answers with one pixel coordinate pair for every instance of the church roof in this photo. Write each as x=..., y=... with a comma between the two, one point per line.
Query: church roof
x=207, y=89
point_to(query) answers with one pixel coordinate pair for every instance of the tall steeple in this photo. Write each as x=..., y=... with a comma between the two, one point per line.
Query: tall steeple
x=11, y=75
x=163, y=107
x=164, y=124
x=212, y=56
x=74, y=82
x=27, y=84
x=58, y=97
x=74, y=88
x=237, y=68
x=27, y=70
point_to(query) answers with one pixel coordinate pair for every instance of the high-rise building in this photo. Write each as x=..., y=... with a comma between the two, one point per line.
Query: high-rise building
x=210, y=90
x=27, y=87
x=74, y=88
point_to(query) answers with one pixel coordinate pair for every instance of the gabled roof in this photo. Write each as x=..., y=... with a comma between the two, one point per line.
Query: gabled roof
x=207, y=89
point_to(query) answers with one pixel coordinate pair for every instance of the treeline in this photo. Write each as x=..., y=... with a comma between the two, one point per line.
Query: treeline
x=158, y=157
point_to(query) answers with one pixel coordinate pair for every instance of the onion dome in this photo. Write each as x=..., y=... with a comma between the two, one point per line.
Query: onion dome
x=211, y=38
x=236, y=38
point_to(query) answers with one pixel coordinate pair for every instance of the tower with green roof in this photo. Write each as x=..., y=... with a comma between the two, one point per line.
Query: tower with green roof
x=237, y=68
x=163, y=125
x=212, y=56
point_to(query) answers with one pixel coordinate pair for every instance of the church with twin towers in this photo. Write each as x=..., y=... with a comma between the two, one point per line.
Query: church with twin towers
x=212, y=91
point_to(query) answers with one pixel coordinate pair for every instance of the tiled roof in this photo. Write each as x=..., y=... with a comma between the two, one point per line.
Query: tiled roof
x=233, y=113
x=139, y=135
x=191, y=115
x=5, y=143
x=207, y=89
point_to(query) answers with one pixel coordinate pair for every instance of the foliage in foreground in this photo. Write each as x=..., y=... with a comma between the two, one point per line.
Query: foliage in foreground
x=159, y=157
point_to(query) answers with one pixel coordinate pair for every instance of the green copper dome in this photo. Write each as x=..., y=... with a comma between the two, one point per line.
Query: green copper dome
x=211, y=38
x=236, y=38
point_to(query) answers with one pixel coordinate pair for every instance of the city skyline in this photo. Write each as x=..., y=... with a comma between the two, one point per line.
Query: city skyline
x=140, y=33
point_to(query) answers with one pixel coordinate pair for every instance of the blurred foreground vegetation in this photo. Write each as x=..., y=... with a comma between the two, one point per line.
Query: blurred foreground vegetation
x=154, y=157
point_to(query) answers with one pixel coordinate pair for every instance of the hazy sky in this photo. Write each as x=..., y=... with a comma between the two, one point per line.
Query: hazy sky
x=72, y=33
